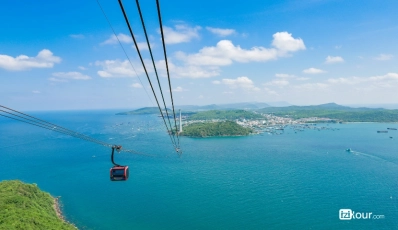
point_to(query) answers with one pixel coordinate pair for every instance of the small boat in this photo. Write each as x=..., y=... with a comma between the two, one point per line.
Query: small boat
x=382, y=131
x=392, y=128
x=348, y=150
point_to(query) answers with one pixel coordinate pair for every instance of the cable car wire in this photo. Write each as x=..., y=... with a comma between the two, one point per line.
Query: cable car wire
x=44, y=124
x=23, y=117
x=146, y=72
x=55, y=129
x=128, y=58
x=154, y=67
x=167, y=68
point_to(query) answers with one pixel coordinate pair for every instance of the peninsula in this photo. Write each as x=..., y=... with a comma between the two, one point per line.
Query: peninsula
x=25, y=206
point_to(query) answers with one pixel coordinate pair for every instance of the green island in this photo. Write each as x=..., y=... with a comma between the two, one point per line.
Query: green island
x=25, y=206
x=335, y=112
x=239, y=122
x=212, y=129
x=225, y=115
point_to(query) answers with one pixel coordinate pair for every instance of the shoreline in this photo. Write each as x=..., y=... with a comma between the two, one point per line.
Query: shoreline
x=57, y=208
x=58, y=211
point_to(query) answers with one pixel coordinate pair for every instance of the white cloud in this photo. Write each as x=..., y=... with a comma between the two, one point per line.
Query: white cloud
x=338, y=47
x=179, y=89
x=331, y=59
x=371, y=89
x=201, y=97
x=311, y=86
x=82, y=68
x=386, y=80
x=136, y=85
x=384, y=57
x=57, y=79
x=189, y=71
x=284, y=42
x=44, y=59
x=302, y=78
x=216, y=82
x=342, y=80
x=279, y=83
x=123, y=38
x=225, y=52
x=117, y=68
x=69, y=76
x=180, y=34
x=388, y=76
x=270, y=91
x=313, y=71
x=143, y=46
x=283, y=75
x=240, y=82
x=221, y=32
x=206, y=63
x=36, y=91
x=77, y=36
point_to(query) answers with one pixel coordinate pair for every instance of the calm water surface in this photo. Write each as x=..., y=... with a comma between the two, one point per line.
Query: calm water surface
x=289, y=181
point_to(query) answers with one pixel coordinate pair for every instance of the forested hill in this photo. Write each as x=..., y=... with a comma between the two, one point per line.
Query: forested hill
x=25, y=206
x=212, y=129
x=334, y=111
x=225, y=115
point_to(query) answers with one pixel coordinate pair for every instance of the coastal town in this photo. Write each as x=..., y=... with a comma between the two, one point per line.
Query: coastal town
x=270, y=123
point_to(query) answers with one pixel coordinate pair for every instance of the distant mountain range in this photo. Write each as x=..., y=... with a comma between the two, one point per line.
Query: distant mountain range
x=329, y=110
x=197, y=108
x=335, y=111
x=244, y=105
x=269, y=107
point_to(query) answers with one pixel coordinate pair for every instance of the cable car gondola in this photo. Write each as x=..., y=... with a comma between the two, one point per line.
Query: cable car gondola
x=118, y=172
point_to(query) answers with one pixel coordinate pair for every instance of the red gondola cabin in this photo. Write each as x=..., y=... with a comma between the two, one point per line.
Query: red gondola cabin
x=119, y=173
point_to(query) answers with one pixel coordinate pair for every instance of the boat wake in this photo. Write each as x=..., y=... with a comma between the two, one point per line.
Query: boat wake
x=371, y=156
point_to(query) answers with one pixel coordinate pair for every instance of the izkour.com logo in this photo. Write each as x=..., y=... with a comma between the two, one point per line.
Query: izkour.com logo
x=348, y=214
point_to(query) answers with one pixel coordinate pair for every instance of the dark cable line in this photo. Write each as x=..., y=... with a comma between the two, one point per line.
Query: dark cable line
x=53, y=129
x=154, y=66
x=167, y=68
x=128, y=58
x=19, y=116
x=146, y=72
x=49, y=125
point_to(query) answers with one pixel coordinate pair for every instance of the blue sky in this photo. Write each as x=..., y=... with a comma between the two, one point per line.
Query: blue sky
x=63, y=54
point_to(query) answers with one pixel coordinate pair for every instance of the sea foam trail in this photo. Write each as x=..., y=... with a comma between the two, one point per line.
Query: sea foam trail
x=372, y=156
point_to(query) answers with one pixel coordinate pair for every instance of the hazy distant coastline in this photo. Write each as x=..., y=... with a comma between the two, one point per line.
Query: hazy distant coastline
x=247, y=118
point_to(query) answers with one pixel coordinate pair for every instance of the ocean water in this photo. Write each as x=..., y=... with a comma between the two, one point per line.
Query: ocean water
x=289, y=181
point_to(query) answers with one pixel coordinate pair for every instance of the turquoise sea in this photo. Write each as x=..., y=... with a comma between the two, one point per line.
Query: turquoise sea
x=289, y=181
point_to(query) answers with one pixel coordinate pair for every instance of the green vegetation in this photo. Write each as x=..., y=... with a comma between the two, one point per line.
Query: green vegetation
x=225, y=115
x=334, y=111
x=331, y=110
x=211, y=129
x=25, y=206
